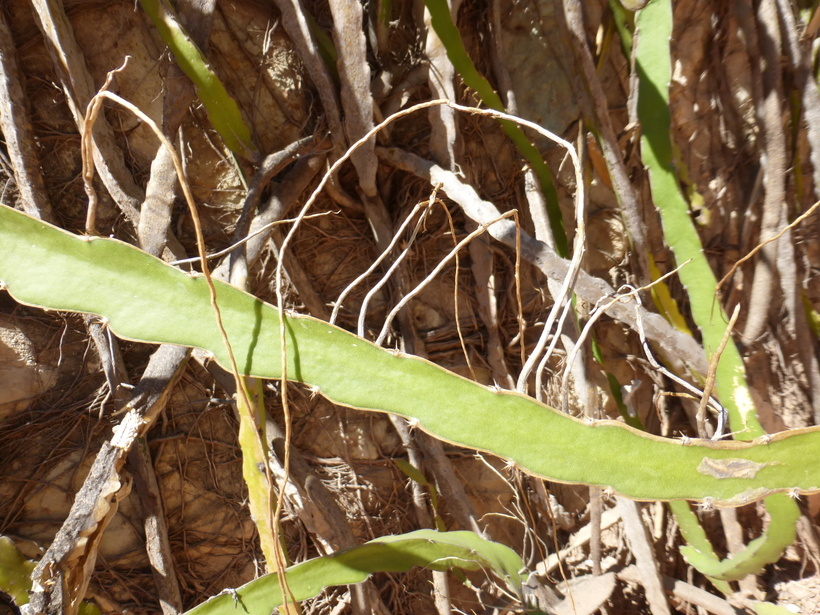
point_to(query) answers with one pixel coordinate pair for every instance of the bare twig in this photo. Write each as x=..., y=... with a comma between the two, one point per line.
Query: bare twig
x=762, y=244
x=608, y=518
x=800, y=58
x=156, y=529
x=15, y=124
x=354, y=75
x=769, y=115
x=685, y=592
x=79, y=89
x=395, y=264
x=87, y=151
x=721, y=412
x=436, y=270
x=481, y=264
x=94, y=107
x=376, y=287
x=296, y=25
x=712, y=373
x=570, y=17
x=687, y=352
x=641, y=547
x=270, y=166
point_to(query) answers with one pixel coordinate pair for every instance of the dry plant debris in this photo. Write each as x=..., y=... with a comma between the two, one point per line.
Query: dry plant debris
x=744, y=116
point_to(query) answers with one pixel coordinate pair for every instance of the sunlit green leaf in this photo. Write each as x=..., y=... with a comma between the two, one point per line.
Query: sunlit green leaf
x=144, y=299
x=427, y=548
x=654, y=67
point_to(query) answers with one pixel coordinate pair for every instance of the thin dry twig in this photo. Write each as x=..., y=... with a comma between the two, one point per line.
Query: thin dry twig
x=721, y=412
x=596, y=313
x=298, y=29
x=15, y=124
x=687, y=352
x=266, y=227
x=436, y=270
x=579, y=246
x=712, y=373
x=87, y=153
x=571, y=19
x=761, y=245
x=542, y=366
x=94, y=107
x=474, y=247
x=78, y=86
x=641, y=547
x=396, y=238
x=769, y=95
x=395, y=265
